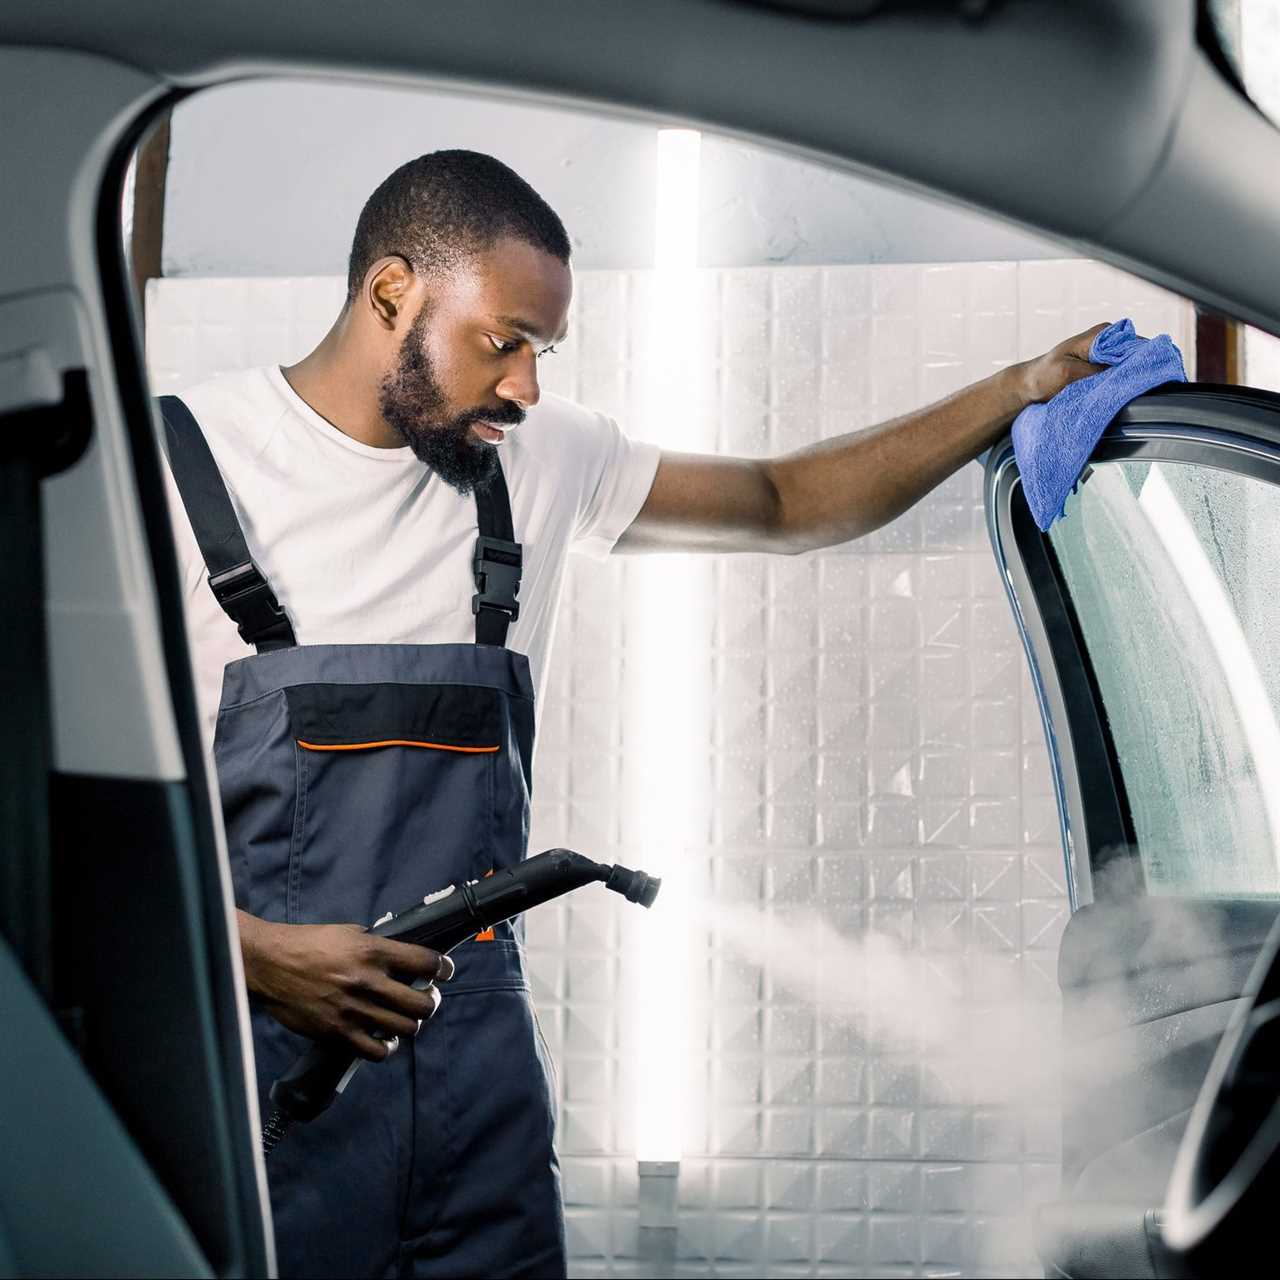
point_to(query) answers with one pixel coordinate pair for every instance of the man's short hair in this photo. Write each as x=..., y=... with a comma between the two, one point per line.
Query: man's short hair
x=444, y=207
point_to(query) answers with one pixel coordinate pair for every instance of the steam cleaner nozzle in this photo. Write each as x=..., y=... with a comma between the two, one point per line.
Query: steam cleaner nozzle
x=635, y=886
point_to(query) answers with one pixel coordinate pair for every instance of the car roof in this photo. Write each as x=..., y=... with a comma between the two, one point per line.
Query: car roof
x=1102, y=122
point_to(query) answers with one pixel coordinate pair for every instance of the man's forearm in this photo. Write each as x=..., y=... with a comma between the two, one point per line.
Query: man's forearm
x=847, y=487
x=253, y=946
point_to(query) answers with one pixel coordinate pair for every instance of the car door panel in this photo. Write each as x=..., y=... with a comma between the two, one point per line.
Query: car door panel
x=117, y=896
x=1147, y=615
x=1148, y=986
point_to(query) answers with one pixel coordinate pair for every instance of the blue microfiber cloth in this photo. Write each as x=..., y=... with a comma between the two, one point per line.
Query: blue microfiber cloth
x=1053, y=441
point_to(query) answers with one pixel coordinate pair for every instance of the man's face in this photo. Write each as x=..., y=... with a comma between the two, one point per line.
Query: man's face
x=466, y=371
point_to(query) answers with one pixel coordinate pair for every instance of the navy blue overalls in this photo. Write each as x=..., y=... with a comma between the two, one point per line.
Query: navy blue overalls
x=356, y=779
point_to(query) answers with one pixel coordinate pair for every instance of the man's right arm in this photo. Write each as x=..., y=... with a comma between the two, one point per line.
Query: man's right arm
x=340, y=982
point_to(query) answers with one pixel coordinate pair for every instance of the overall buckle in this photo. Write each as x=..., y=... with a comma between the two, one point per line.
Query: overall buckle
x=497, y=565
x=246, y=596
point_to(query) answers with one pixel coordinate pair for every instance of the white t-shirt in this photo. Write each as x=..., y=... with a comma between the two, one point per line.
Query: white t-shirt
x=367, y=546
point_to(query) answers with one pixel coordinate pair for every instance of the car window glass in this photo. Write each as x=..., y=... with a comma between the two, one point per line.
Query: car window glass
x=1171, y=570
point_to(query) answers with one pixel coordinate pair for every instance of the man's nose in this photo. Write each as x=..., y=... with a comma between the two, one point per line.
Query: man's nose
x=520, y=383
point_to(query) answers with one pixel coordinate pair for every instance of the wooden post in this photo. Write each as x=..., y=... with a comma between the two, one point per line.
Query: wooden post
x=1218, y=348
x=147, y=243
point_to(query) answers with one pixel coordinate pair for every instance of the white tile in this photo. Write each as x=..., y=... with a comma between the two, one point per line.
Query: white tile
x=842, y=1238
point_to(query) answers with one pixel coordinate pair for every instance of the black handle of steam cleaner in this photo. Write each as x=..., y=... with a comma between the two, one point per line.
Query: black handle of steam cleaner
x=441, y=921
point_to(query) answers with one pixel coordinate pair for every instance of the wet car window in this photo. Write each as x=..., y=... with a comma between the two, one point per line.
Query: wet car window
x=1172, y=569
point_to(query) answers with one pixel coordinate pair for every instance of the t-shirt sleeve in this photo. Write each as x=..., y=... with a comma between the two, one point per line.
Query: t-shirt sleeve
x=619, y=474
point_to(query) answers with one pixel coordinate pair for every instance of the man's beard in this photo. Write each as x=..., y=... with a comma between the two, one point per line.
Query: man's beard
x=413, y=402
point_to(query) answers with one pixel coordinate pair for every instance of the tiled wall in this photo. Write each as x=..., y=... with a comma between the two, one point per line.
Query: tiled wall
x=876, y=771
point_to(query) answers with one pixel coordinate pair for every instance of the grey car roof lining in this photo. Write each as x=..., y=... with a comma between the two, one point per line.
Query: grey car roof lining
x=1066, y=119
x=849, y=93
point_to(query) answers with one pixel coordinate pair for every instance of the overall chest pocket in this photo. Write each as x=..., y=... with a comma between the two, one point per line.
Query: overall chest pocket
x=396, y=794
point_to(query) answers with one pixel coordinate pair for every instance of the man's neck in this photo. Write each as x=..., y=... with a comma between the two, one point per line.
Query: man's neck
x=336, y=381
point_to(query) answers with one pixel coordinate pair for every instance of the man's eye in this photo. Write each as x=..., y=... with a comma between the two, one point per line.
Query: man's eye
x=546, y=351
x=503, y=344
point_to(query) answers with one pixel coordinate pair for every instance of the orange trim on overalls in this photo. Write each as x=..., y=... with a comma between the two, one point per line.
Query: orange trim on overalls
x=487, y=934
x=391, y=742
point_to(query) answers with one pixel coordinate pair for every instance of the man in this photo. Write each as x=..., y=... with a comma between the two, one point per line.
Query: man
x=378, y=744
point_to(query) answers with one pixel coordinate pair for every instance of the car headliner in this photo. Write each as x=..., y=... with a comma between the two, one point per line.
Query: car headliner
x=1101, y=122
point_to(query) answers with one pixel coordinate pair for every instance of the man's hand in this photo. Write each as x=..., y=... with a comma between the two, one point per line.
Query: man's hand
x=337, y=982
x=1068, y=362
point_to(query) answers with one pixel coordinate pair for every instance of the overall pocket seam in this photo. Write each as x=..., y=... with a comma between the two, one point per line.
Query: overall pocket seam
x=485, y=985
x=492, y=810
x=546, y=1049
x=300, y=773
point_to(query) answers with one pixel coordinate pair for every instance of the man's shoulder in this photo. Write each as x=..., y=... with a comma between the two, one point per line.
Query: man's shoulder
x=558, y=425
x=555, y=408
x=237, y=409
x=233, y=392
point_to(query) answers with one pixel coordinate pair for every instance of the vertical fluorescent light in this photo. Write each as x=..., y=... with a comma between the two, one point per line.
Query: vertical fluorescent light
x=676, y=246
x=668, y=703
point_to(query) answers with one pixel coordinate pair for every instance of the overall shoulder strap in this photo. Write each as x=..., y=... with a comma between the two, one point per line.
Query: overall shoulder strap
x=237, y=583
x=497, y=564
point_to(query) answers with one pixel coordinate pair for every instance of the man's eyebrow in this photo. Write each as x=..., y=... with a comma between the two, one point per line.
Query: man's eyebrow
x=527, y=329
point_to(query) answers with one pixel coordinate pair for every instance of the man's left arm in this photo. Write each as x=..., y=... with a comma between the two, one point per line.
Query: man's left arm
x=846, y=487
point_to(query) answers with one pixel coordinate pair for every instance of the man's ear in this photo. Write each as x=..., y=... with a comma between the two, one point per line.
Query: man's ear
x=387, y=285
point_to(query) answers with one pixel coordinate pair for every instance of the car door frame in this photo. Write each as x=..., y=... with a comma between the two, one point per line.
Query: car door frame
x=1230, y=428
